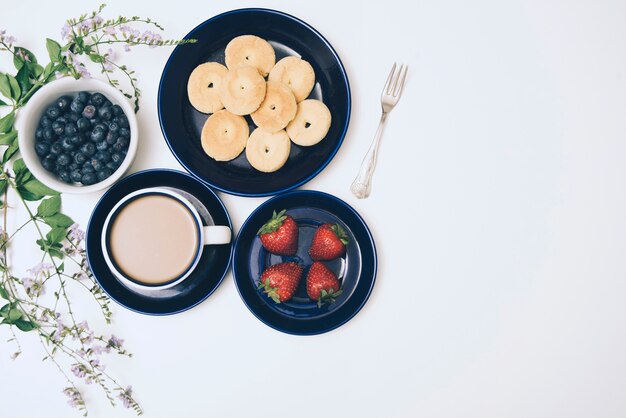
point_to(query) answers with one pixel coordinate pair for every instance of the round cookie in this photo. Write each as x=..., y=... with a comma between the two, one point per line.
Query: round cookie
x=224, y=135
x=203, y=87
x=242, y=90
x=250, y=50
x=297, y=74
x=311, y=123
x=277, y=109
x=268, y=152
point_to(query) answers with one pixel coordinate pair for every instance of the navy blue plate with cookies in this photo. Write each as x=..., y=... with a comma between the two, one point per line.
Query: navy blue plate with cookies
x=182, y=124
x=356, y=269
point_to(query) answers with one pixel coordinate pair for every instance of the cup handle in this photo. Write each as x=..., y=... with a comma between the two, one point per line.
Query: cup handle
x=216, y=234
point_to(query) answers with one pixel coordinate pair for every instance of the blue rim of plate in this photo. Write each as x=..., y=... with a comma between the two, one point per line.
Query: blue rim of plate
x=261, y=306
x=330, y=156
x=132, y=299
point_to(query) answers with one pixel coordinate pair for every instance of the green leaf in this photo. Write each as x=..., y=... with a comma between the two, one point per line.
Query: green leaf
x=18, y=61
x=61, y=268
x=3, y=185
x=23, y=78
x=16, y=92
x=20, y=170
x=56, y=235
x=37, y=187
x=14, y=314
x=58, y=220
x=35, y=70
x=8, y=138
x=10, y=152
x=96, y=58
x=49, y=206
x=6, y=123
x=5, y=86
x=54, y=50
x=25, y=325
x=3, y=103
x=29, y=196
x=3, y=293
x=4, y=311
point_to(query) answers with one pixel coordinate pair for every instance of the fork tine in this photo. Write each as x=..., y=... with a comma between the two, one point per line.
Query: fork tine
x=397, y=91
x=396, y=77
x=388, y=85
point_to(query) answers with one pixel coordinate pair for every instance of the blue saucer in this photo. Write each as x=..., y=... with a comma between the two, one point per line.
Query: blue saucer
x=181, y=123
x=206, y=277
x=356, y=271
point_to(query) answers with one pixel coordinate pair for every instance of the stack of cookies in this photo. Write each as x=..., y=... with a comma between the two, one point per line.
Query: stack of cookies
x=278, y=106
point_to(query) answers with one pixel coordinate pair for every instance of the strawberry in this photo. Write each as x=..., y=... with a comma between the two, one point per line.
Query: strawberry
x=279, y=235
x=322, y=284
x=281, y=280
x=329, y=242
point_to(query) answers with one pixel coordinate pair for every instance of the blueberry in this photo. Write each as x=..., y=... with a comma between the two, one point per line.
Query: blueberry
x=103, y=156
x=114, y=126
x=111, y=166
x=49, y=162
x=76, y=176
x=80, y=158
x=70, y=129
x=42, y=149
x=66, y=143
x=97, y=164
x=117, y=110
x=89, y=111
x=101, y=126
x=48, y=134
x=111, y=138
x=45, y=122
x=98, y=99
x=58, y=127
x=84, y=96
x=102, y=146
x=63, y=160
x=121, y=144
x=77, y=140
x=87, y=167
x=117, y=158
x=83, y=124
x=88, y=148
x=72, y=166
x=72, y=117
x=65, y=176
x=53, y=112
x=105, y=113
x=104, y=174
x=97, y=135
x=123, y=121
x=89, y=179
x=39, y=134
x=63, y=103
x=125, y=132
x=77, y=105
x=56, y=148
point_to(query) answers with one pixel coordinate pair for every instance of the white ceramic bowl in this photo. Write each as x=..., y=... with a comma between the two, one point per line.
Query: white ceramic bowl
x=28, y=120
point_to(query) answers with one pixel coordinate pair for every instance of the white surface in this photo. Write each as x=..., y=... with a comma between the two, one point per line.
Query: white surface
x=498, y=209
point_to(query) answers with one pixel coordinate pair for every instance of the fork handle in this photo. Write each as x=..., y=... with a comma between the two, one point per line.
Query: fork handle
x=362, y=184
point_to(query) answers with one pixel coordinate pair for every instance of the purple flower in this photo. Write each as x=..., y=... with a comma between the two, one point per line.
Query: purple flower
x=75, y=399
x=65, y=32
x=126, y=397
x=79, y=370
x=115, y=342
x=75, y=233
x=126, y=47
x=33, y=287
x=109, y=30
x=99, y=349
x=39, y=268
x=8, y=40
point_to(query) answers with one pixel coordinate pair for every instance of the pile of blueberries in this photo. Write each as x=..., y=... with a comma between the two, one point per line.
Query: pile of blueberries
x=82, y=139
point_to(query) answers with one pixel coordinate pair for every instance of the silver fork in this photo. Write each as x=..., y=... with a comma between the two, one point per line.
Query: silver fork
x=362, y=184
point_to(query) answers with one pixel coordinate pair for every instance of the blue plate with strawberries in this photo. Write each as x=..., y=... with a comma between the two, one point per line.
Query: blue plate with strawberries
x=304, y=262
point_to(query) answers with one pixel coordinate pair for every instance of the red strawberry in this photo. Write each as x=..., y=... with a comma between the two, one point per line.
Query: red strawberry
x=281, y=280
x=279, y=235
x=322, y=284
x=329, y=242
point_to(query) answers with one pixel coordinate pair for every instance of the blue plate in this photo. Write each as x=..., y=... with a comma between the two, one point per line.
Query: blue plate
x=181, y=123
x=207, y=275
x=356, y=271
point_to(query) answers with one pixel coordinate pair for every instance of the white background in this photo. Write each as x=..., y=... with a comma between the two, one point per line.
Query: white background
x=498, y=209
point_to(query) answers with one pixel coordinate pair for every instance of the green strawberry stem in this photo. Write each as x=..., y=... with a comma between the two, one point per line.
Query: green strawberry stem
x=274, y=223
x=328, y=296
x=269, y=290
x=341, y=233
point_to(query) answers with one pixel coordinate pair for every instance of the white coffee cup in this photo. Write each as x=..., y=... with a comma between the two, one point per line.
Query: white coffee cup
x=206, y=235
